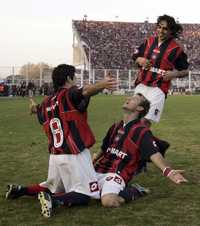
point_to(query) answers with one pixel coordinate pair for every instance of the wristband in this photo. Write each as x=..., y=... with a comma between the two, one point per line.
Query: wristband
x=167, y=171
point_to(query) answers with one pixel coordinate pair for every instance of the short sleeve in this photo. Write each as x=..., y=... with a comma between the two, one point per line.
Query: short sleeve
x=79, y=101
x=139, y=51
x=148, y=146
x=181, y=63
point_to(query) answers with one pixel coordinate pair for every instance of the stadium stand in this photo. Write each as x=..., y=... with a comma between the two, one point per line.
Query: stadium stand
x=100, y=47
x=111, y=44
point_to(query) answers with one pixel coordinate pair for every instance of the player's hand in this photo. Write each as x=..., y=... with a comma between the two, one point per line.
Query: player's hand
x=94, y=157
x=110, y=83
x=32, y=106
x=169, y=75
x=177, y=177
x=143, y=62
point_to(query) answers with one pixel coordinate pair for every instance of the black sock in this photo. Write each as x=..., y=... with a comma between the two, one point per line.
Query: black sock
x=130, y=193
x=127, y=194
x=21, y=191
x=71, y=199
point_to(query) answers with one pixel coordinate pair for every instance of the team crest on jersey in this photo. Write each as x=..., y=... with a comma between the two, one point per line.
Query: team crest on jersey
x=93, y=186
x=154, y=56
x=120, y=132
x=117, y=138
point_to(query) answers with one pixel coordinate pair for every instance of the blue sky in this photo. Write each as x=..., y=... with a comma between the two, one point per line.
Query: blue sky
x=40, y=30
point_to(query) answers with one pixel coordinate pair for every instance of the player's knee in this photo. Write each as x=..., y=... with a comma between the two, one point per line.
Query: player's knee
x=110, y=201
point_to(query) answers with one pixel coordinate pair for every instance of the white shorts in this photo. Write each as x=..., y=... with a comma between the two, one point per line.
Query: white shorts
x=157, y=99
x=72, y=173
x=110, y=183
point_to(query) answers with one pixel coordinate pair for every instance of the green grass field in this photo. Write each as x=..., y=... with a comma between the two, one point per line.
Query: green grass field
x=24, y=160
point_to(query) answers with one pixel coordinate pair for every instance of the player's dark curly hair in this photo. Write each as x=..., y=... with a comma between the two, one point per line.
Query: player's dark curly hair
x=175, y=28
x=145, y=104
x=60, y=75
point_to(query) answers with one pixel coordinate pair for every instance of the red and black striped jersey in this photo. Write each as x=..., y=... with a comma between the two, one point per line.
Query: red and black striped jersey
x=166, y=57
x=125, y=148
x=64, y=119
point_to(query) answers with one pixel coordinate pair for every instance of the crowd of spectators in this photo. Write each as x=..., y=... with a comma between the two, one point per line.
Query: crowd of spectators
x=191, y=43
x=111, y=44
x=25, y=89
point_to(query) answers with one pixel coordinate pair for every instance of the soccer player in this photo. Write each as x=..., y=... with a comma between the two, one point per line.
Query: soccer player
x=160, y=59
x=64, y=119
x=126, y=147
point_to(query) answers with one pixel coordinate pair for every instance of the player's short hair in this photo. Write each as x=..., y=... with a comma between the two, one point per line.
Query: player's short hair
x=61, y=74
x=175, y=28
x=146, y=106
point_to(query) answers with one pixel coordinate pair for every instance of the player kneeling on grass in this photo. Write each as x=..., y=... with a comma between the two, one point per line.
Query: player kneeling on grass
x=64, y=119
x=126, y=148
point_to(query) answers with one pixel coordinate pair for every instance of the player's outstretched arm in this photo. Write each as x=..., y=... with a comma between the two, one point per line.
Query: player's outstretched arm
x=169, y=75
x=174, y=175
x=107, y=83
